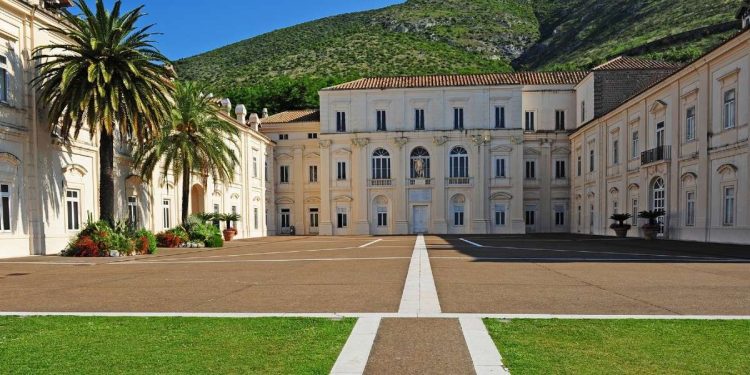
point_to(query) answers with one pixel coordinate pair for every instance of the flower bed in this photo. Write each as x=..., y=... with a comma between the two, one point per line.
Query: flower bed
x=99, y=239
x=194, y=233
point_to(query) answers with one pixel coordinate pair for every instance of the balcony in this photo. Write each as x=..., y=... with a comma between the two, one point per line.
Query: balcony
x=418, y=181
x=654, y=155
x=381, y=183
x=459, y=181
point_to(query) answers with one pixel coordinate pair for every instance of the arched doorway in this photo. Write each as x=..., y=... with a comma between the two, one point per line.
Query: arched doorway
x=197, y=199
x=659, y=200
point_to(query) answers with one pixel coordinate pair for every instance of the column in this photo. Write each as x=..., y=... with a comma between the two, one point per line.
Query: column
x=298, y=185
x=361, y=202
x=326, y=220
x=438, y=168
x=400, y=167
x=479, y=200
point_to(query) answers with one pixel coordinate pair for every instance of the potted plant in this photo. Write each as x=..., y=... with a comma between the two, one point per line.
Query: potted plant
x=620, y=228
x=651, y=229
x=230, y=232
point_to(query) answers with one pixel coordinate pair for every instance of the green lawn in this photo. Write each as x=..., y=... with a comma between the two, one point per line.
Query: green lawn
x=70, y=345
x=623, y=346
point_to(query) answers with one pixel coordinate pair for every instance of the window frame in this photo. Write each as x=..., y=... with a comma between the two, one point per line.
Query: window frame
x=690, y=208
x=561, y=169
x=530, y=170
x=166, y=213
x=132, y=204
x=72, y=210
x=500, y=117
x=458, y=162
x=635, y=144
x=381, y=164
x=419, y=122
x=341, y=171
x=284, y=174
x=4, y=80
x=6, y=203
x=381, y=120
x=690, y=114
x=729, y=206
x=458, y=118
x=501, y=167
x=312, y=174
x=529, y=121
x=559, y=120
x=729, y=107
x=340, y=121
x=501, y=215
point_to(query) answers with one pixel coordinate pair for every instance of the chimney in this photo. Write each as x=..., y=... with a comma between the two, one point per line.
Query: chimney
x=226, y=106
x=241, y=113
x=265, y=113
x=254, y=122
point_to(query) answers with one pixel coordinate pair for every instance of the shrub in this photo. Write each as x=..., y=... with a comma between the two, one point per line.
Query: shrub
x=215, y=241
x=169, y=239
x=203, y=232
x=84, y=246
x=145, y=242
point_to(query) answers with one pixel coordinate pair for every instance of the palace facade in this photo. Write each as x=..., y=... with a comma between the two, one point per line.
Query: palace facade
x=506, y=153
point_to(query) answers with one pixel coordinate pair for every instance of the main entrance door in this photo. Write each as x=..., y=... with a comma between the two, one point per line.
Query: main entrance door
x=420, y=219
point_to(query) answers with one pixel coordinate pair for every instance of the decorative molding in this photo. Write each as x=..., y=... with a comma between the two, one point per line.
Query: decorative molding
x=312, y=200
x=400, y=141
x=283, y=156
x=342, y=151
x=235, y=196
x=689, y=178
x=7, y=157
x=343, y=198
x=516, y=140
x=360, y=142
x=502, y=149
x=727, y=168
x=134, y=179
x=531, y=151
x=689, y=95
x=312, y=155
x=81, y=170
x=634, y=186
x=480, y=140
x=500, y=196
x=326, y=143
x=730, y=74
x=658, y=106
x=284, y=200
x=439, y=141
x=257, y=198
x=561, y=150
x=614, y=191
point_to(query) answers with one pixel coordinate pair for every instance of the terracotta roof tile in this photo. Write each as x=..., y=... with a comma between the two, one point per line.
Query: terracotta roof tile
x=633, y=63
x=303, y=115
x=462, y=80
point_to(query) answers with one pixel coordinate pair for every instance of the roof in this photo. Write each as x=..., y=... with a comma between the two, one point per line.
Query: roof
x=303, y=115
x=634, y=63
x=463, y=80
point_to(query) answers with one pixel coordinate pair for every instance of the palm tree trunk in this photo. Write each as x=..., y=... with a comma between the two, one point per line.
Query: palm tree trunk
x=106, y=177
x=185, y=192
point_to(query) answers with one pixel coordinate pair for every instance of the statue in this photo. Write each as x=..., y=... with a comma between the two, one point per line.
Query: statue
x=419, y=168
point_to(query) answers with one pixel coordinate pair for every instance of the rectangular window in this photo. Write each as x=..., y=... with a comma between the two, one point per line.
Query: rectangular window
x=284, y=174
x=216, y=222
x=166, y=205
x=312, y=135
x=730, y=109
x=583, y=112
x=615, y=152
x=529, y=121
x=580, y=216
x=382, y=217
x=615, y=207
x=5, y=202
x=313, y=173
x=255, y=167
x=341, y=171
x=690, y=124
x=341, y=122
x=559, y=120
x=500, y=165
x=591, y=160
x=4, y=80
x=265, y=170
x=634, y=147
x=559, y=216
x=133, y=212
x=234, y=211
x=255, y=217
x=283, y=137
x=690, y=208
x=458, y=118
x=341, y=218
x=381, y=121
x=579, y=166
x=73, y=209
x=634, y=212
x=314, y=218
x=458, y=215
x=530, y=216
x=286, y=218
x=419, y=119
x=530, y=170
x=560, y=172
x=499, y=117
x=729, y=207
x=500, y=215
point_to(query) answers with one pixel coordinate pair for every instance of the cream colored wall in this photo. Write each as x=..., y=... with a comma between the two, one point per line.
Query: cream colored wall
x=714, y=159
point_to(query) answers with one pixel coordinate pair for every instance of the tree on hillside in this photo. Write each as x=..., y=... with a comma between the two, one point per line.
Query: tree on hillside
x=196, y=140
x=105, y=76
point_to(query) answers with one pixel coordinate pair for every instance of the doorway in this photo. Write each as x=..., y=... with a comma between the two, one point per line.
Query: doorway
x=420, y=217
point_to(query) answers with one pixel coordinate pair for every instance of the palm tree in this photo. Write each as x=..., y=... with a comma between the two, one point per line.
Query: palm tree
x=106, y=76
x=197, y=141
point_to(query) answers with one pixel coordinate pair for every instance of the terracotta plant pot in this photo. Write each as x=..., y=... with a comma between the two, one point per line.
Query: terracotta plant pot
x=621, y=231
x=229, y=234
x=650, y=232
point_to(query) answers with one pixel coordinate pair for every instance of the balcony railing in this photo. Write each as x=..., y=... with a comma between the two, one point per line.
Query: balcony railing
x=459, y=181
x=381, y=182
x=418, y=181
x=656, y=154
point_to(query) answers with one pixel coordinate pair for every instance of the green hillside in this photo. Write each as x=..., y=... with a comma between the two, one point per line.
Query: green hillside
x=455, y=36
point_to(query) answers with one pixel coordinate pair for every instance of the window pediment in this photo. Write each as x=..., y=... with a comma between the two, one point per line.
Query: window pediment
x=658, y=106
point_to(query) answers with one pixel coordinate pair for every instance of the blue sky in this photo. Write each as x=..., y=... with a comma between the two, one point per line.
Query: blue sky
x=194, y=26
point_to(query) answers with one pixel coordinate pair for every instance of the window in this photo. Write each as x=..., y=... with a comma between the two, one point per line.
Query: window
x=660, y=136
x=615, y=207
x=559, y=216
x=382, y=216
x=313, y=173
x=500, y=168
x=729, y=205
x=255, y=167
x=500, y=215
x=458, y=118
x=419, y=119
x=312, y=135
x=459, y=163
x=635, y=210
x=166, y=208
x=499, y=117
x=583, y=111
x=458, y=214
x=133, y=212
x=341, y=122
x=381, y=122
x=286, y=218
x=690, y=208
x=234, y=211
x=615, y=152
x=530, y=170
x=381, y=165
x=529, y=121
x=314, y=218
x=284, y=174
x=216, y=222
x=579, y=216
x=341, y=217
x=591, y=160
x=283, y=137
x=420, y=163
x=341, y=170
x=579, y=166
x=4, y=80
x=255, y=217
x=690, y=124
x=591, y=217
x=559, y=120
x=5, y=199
x=73, y=210
x=560, y=172
x=530, y=216
x=634, y=145
x=265, y=170
x=730, y=109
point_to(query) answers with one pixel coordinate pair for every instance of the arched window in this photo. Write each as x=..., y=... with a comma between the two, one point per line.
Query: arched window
x=420, y=163
x=381, y=165
x=459, y=163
